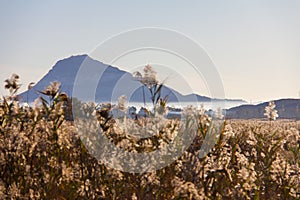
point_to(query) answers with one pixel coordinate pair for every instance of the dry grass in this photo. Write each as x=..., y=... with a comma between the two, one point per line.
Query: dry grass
x=43, y=157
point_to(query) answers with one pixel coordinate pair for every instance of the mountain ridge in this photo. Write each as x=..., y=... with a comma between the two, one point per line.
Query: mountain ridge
x=288, y=108
x=65, y=71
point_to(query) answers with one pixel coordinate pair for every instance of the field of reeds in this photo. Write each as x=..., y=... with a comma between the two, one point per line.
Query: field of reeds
x=43, y=154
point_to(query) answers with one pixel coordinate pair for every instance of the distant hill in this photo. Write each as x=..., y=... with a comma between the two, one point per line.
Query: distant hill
x=287, y=109
x=112, y=84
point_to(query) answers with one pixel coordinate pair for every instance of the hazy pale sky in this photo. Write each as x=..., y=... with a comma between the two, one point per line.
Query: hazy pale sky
x=255, y=44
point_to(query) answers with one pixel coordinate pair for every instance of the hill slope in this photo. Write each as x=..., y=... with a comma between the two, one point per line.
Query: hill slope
x=112, y=84
x=287, y=109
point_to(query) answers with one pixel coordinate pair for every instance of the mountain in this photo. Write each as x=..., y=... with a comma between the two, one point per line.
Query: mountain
x=112, y=84
x=287, y=109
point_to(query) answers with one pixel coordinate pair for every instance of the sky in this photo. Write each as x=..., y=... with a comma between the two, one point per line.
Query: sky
x=255, y=45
